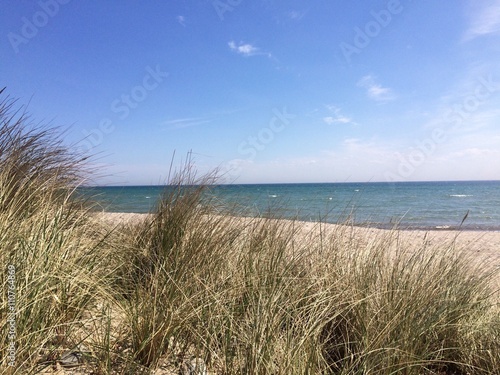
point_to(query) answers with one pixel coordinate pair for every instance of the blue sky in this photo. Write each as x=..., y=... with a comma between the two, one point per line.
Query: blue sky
x=265, y=91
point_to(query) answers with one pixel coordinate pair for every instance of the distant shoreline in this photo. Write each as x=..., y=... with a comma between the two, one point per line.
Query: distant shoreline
x=477, y=239
x=430, y=206
x=303, y=183
x=440, y=228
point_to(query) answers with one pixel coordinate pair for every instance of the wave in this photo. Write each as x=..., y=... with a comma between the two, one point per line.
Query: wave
x=460, y=195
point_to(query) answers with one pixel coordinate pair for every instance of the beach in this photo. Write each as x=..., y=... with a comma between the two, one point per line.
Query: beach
x=484, y=246
x=468, y=205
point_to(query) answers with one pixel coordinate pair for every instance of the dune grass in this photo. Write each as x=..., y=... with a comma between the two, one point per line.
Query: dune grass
x=243, y=295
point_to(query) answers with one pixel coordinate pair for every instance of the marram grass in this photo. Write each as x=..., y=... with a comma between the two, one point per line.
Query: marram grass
x=247, y=296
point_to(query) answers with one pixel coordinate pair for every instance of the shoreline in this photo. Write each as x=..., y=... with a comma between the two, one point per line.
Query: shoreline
x=374, y=225
x=481, y=247
x=486, y=239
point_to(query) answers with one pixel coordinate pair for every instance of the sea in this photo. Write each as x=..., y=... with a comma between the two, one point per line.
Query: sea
x=468, y=205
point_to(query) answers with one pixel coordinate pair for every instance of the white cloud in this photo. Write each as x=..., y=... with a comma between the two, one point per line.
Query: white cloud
x=375, y=90
x=485, y=19
x=185, y=122
x=336, y=117
x=466, y=157
x=243, y=49
x=334, y=120
x=470, y=105
x=181, y=20
x=296, y=15
x=353, y=161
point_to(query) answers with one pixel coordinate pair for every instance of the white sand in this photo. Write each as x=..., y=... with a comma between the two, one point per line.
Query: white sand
x=483, y=245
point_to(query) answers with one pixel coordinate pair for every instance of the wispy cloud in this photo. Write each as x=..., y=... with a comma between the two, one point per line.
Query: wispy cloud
x=296, y=15
x=336, y=117
x=375, y=90
x=352, y=160
x=469, y=105
x=330, y=120
x=485, y=20
x=375, y=159
x=185, y=122
x=245, y=49
x=181, y=20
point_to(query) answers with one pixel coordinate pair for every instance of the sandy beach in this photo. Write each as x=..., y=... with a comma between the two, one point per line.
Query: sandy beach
x=484, y=245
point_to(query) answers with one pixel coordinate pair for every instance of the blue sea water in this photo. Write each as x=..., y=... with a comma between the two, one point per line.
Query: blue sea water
x=412, y=205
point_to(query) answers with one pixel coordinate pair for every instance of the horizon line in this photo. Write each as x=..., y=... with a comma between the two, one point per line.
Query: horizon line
x=292, y=183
